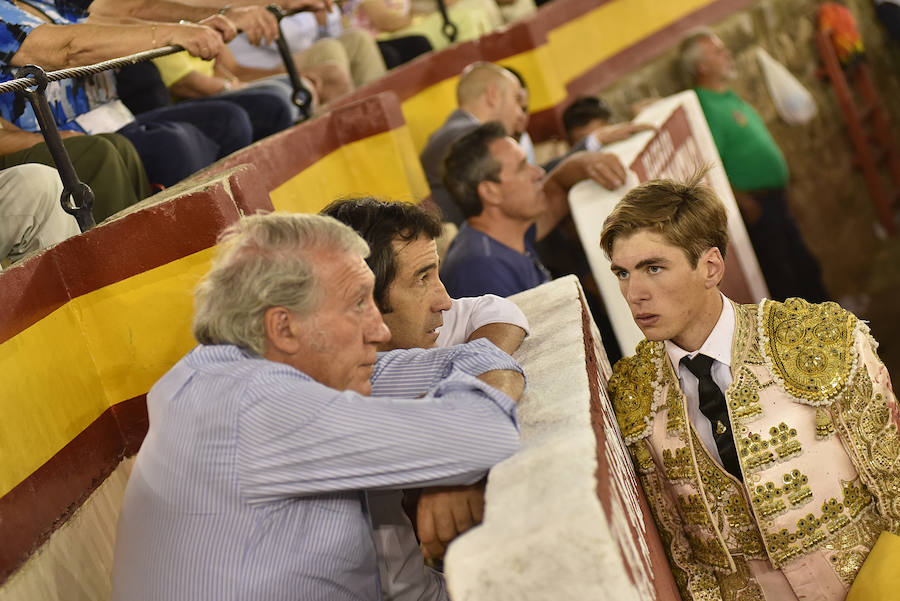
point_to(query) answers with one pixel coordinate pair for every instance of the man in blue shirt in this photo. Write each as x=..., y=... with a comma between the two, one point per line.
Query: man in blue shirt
x=263, y=441
x=508, y=204
x=420, y=314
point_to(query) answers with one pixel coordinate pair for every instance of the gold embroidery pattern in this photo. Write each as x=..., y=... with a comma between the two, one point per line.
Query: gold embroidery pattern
x=740, y=586
x=727, y=501
x=708, y=551
x=744, y=397
x=674, y=410
x=813, y=531
x=767, y=498
x=642, y=458
x=758, y=453
x=808, y=347
x=864, y=421
x=851, y=545
x=856, y=497
x=824, y=423
x=632, y=390
x=678, y=466
x=694, y=581
x=693, y=510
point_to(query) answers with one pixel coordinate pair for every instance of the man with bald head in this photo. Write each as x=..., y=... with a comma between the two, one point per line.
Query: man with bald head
x=485, y=92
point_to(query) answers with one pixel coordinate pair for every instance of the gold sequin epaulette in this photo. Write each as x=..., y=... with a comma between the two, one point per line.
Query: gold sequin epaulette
x=633, y=390
x=808, y=348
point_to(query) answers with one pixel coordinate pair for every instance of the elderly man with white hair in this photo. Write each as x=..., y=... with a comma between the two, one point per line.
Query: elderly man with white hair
x=252, y=481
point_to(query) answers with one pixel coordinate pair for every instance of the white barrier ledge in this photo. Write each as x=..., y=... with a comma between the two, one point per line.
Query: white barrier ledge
x=564, y=516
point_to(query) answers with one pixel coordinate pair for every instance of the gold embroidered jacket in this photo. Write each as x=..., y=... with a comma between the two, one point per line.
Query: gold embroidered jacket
x=815, y=424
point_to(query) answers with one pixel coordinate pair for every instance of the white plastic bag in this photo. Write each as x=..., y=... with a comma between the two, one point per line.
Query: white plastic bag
x=793, y=102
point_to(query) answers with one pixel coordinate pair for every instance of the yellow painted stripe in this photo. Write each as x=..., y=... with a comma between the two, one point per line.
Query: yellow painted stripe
x=425, y=111
x=572, y=49
x=381, y=165
x=581, y=44
x=545, y=88
x=101, y=348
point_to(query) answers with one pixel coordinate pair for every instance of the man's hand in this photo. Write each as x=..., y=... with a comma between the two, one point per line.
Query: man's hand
x=445, y=512
x=620, y=131
x=605, y=169
x=221, y=24
x=256, y=22
x=198, y=40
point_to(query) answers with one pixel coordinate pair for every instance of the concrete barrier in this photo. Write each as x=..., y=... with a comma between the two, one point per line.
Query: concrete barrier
x=565, y=516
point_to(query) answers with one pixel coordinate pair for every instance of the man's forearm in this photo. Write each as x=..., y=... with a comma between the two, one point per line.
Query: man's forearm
x=155, y=10
x=510, y=383
x=61, y=46
x=505, y=336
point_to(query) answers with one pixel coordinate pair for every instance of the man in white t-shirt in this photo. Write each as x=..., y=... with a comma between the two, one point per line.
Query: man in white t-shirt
x=420, y=314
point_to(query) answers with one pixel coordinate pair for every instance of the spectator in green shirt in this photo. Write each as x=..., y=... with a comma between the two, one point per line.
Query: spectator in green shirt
x=756, y=169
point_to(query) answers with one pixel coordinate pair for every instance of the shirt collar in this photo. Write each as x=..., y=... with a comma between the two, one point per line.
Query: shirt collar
x=717, y=345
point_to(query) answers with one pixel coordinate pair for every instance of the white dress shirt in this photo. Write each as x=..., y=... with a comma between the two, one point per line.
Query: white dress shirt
x=718, y=346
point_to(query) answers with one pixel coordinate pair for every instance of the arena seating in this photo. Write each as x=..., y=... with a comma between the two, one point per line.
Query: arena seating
x=90, y=324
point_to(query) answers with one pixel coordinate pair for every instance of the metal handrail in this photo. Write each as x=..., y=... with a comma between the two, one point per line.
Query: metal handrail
x=77, y=198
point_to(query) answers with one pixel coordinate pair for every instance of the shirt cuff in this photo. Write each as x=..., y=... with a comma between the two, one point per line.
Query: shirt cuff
x=480, y=356
x=460, y=382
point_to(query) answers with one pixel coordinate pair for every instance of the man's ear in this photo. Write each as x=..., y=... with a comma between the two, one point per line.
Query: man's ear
x=281, y=332
x=713, y=265
x=489, y=192
x=491, y=95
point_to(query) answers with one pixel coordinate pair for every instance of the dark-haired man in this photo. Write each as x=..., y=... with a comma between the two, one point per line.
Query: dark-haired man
x=420, y=314
x=485, y=92
x=765, y=436
x=508, y=204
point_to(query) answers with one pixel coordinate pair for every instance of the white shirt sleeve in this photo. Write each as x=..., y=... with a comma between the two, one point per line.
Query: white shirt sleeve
x=468, y=314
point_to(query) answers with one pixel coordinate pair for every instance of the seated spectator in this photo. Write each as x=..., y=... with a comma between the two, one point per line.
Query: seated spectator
x=508, y=204
x=140, y=86
x=264, y=439
x=420, y=314
x=587, y=126
x=31, y=217
x=485, y=92
x=520, y=128
x=173, y=142
x=316, y=38
x=498, y=12
x=390, y=19
x=269, y=106
x=108, y=163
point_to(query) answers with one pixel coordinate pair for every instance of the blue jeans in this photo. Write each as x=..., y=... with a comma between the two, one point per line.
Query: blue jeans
x=270, y=108
x=177, y=141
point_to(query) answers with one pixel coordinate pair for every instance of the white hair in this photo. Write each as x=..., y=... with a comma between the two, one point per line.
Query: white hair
x=264, y=261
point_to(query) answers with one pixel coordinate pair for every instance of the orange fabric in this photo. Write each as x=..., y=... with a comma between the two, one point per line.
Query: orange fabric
x=847, y=41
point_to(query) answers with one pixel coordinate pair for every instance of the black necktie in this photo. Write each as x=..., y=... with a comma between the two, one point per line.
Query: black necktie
x=712, y=405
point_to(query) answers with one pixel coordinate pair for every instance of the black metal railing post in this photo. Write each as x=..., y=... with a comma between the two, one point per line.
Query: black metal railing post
x=302, y=97
x=77, y=197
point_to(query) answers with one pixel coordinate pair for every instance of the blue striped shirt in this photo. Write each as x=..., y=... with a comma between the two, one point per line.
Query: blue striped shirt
x=251, y=481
